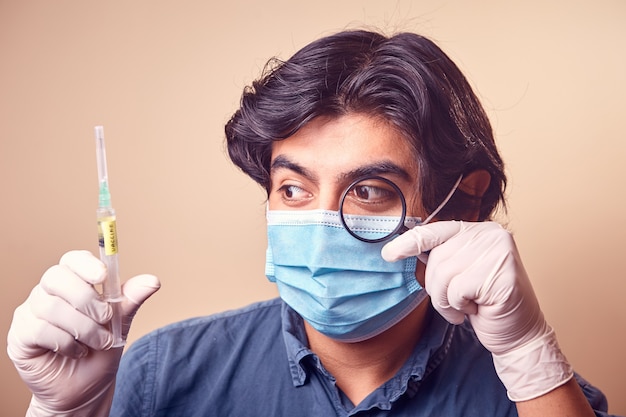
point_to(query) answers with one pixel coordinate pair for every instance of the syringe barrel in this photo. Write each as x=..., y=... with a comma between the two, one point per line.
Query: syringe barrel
x=108, y=245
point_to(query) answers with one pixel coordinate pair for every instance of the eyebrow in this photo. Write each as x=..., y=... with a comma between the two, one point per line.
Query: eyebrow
x=282, y=162
x=376, y=168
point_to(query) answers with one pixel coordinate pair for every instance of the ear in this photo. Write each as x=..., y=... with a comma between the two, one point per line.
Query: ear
x=475, y=183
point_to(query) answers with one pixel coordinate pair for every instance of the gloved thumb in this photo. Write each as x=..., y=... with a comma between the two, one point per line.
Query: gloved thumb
x=136, y=290
x=419, y=240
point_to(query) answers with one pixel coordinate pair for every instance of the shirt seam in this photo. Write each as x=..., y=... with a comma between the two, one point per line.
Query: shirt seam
x=150, y=380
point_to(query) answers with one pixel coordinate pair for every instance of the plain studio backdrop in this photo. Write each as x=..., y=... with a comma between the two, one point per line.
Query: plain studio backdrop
x=163, y=77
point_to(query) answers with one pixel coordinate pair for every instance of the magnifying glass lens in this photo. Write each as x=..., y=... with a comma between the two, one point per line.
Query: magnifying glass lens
x=373, y=209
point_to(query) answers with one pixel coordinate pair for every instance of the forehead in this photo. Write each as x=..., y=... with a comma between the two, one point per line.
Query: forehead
x=329, y=146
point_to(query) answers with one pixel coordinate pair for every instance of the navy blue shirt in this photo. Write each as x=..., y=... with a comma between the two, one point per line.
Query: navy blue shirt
x=255, y=362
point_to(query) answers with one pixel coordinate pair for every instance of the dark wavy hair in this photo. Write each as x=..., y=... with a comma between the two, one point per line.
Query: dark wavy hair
x=404, y=79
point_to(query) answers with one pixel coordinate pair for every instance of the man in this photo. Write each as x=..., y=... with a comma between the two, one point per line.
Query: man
x=441, y=320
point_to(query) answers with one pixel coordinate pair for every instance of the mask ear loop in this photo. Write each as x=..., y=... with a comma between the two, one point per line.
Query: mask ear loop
x=444, y=202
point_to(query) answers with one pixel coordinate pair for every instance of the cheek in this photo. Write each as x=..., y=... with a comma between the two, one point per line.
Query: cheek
x=272, y=201
x=420, y=273
x=414, y=207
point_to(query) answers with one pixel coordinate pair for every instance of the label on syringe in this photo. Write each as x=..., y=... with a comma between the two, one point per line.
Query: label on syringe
x=107, y=235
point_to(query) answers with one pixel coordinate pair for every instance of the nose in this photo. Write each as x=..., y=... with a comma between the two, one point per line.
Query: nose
x=329, y=198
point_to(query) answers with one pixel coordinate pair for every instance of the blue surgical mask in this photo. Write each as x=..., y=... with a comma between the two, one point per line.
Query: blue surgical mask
x=338, y=284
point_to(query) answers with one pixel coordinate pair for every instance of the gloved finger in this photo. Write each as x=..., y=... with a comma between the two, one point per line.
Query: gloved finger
x=443, y=270
x=62, y=315
x=29, y=337
x=464, y=290
x=84, y=265
x=463, y=304
x=439, y=299
x=61, y=282
x=420, y=239
x=136, y=290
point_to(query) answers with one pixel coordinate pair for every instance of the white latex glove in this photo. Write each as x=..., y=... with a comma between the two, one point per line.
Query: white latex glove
x=59, y=342
x=474, y=270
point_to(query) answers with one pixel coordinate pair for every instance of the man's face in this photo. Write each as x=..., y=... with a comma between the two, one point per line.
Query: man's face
x=312, y=168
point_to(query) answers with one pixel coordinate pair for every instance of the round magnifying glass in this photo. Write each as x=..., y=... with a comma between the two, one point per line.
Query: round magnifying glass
x=373, y=209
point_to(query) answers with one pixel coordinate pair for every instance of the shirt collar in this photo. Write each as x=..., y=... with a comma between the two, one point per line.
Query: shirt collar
x=296, y=342
x=426, y=356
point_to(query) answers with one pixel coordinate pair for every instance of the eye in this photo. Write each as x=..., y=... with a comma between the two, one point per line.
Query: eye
x=293, y=194
x=369, y=193
x=373, y=196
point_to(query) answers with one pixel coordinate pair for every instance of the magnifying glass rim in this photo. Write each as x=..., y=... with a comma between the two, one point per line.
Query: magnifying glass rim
x=402, y=200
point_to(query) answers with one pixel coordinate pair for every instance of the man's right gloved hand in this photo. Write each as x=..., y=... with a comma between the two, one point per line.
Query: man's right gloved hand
x=59, y=341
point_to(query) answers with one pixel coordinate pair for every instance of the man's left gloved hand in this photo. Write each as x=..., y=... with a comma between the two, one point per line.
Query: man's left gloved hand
x=474, y=270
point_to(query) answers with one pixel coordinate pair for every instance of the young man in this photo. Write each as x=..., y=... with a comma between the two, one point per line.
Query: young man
x=356, y=138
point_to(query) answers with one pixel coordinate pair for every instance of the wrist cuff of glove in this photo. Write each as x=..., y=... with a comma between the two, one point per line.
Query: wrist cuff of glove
x=534, y=369
x=99, y=407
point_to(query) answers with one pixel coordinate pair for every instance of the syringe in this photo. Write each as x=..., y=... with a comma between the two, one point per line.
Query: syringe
x=107, y=241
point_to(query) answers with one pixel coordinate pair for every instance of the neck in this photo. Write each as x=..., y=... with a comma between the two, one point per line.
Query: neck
x=359, y=368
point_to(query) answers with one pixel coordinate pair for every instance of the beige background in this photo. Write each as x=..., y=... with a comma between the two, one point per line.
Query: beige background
x=164, y=76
